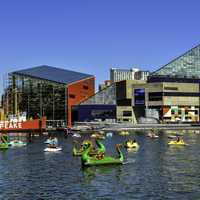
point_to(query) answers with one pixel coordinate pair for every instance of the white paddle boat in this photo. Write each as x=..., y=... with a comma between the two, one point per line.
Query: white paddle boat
x=52, y=149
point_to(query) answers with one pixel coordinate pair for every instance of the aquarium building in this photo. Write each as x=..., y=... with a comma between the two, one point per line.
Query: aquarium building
x=171, y=94
x=46, y=91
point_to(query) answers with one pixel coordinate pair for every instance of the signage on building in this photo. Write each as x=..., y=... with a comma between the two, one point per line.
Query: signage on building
x=23, y=125
x=139, y=96
x=10, y=125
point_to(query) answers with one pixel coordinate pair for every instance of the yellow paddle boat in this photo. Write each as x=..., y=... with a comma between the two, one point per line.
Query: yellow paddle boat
x=98, y=136
x=123, y=133
x=130, y=144
x=175, y=142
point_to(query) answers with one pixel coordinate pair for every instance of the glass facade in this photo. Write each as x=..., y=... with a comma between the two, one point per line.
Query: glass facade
x=37, y=97
x=185, y=66
x=83, y=113
x=106, y=96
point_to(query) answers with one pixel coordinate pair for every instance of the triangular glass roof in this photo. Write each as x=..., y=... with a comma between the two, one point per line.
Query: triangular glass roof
x=106, y=96
x=185, y=66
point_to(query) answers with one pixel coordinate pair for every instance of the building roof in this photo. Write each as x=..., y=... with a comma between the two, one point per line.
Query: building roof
x=53, y=74
x=185, y=66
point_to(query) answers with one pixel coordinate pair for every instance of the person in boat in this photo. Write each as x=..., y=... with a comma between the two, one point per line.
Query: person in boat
x=53, y=142
x=134, y=141
x=178, y=139
x=131, y=141
x=100, y=156
x=152, y=132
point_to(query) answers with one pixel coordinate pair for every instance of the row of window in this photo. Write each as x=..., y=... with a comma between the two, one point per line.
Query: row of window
x=186, y=112
x=73, y=96
x=170, y=88
x=158, y=96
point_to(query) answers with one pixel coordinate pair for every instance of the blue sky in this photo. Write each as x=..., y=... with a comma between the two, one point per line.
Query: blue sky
x=91, y=36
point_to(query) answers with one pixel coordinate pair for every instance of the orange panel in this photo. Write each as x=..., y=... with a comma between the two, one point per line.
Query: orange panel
x=77, y=92
x=165, y=110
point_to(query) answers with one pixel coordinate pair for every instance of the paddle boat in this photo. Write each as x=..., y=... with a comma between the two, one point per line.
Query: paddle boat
x=100, y=148
x=152, y=135
x=172, y=136
x=177, y=142
x=109, y=134
x=52, y=141
x=77, y=135
x=4, y=142
x=130, y=144
x=52, y=149
x=48, y=141
x=100, y=158
x=4, y=146
x=17, y=143
x=52, y=145
x=97, y=135
x=123, y=133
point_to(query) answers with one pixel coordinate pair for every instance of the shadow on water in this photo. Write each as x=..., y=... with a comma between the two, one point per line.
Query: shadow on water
x=90, y=173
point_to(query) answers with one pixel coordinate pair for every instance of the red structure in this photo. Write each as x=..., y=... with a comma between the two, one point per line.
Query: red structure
x=77, y=92
x=35, y=124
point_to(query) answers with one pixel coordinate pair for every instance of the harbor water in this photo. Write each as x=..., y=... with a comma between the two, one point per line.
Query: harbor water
x=155, y=171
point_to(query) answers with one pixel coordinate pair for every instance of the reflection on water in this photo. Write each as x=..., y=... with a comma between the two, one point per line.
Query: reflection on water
x=155, y=171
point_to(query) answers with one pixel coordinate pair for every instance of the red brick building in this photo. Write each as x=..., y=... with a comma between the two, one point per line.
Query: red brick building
x=77, y=92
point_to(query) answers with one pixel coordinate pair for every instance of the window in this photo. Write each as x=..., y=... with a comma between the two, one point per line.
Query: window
x=170, y=88
x=124, y=102
x=85, y=87
x=102, y=113
x=172, y=112
x=167, y=118
x=72, y=96
x=155, y=96
x=127, y=113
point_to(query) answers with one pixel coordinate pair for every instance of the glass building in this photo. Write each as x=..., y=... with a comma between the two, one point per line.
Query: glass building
x=179, y=90
x=185, y=66
x=44, y=91
x=100, y=106
x=38, y=97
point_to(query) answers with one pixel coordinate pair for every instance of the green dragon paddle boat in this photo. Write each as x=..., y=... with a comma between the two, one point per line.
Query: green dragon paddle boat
x=100, y=158
x=4, y=146
x=100, y=148
x=4, y=142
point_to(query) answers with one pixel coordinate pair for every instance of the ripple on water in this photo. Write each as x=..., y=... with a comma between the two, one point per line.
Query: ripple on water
x=155, y=171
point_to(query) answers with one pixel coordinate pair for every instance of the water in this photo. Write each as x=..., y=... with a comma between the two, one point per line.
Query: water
x=155, y=171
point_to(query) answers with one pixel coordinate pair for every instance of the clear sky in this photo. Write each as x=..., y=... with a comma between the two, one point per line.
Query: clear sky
x=92, y=36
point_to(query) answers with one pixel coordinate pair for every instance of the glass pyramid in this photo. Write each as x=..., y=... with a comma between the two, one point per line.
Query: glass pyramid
x=106, y=96
x=185, y=66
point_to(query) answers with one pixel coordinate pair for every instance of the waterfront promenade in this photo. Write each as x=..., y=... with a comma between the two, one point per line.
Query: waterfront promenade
x=156, y=126
x=129, y=126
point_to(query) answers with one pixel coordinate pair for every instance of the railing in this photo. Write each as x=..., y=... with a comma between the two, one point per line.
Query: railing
x=55, y=124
